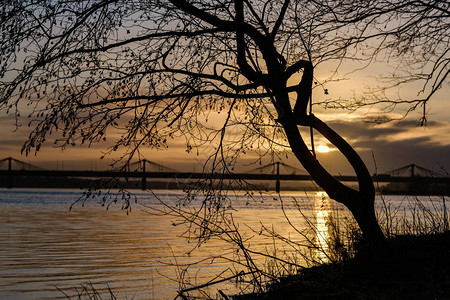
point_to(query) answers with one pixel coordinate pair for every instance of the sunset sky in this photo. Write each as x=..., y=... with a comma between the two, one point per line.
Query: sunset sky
x=383, y=147
x=394, y=144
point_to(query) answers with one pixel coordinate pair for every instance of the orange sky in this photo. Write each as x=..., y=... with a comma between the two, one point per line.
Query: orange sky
x=393, y=145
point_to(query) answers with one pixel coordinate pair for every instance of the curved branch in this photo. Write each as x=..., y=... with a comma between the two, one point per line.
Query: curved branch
x=364, y=179
x=320, y=175
x=303, y=89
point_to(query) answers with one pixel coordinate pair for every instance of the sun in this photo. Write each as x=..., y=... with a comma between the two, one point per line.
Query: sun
x=323, y=149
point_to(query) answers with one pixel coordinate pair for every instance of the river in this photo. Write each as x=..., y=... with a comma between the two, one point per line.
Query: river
x=48, y=252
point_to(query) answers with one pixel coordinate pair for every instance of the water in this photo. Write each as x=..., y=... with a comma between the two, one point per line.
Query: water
x=47, y=251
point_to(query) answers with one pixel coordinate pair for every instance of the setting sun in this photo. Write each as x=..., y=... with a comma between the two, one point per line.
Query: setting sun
x=323, y=149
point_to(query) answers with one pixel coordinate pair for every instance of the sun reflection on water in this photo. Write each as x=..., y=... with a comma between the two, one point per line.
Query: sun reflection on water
x=322, y=214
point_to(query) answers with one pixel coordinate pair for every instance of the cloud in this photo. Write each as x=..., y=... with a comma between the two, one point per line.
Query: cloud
x=400, y=143
x=393, y=145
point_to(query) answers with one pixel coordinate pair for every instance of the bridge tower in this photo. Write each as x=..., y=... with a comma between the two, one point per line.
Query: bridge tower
x=277, y=184
x=17, y=165
x=9, y=180
x=144, y=178
x=274, y=169
x=144, y=166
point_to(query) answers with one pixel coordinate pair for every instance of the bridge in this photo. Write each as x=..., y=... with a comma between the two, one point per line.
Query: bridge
x=11, y=168
x=274, y=170
x=413, y=170
x=422, y=181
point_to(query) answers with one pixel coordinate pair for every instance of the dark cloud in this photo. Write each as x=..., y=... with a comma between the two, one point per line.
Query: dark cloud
x=396, y=144
x=415, y=123
x=361, y=129
x=390, y=145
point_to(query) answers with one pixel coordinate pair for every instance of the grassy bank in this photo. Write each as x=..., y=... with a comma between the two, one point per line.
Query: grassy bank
x=413, y=267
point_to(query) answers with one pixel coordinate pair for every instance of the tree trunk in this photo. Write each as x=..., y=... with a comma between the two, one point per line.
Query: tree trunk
x=364, y=214
x=359, y=202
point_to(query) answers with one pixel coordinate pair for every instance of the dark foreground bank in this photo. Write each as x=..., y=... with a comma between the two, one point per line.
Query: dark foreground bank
x=414, y=267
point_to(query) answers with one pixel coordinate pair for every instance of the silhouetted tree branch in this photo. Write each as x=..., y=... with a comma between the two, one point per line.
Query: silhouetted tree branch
x=410, y=36
x=154, y=70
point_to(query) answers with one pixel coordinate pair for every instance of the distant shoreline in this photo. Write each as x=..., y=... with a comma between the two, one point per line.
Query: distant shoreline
x=172, y=184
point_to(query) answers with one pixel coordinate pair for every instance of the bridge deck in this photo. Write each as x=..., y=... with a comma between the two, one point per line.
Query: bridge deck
x=189, y=175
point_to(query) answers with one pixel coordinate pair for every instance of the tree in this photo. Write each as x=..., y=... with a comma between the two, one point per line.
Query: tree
x=153, y=69
x=410, y=36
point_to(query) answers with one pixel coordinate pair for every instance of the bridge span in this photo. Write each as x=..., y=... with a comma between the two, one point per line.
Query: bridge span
x=166, y=173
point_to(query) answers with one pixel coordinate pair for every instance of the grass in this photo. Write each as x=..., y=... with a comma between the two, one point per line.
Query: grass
x=88, y=291
x=414, y=265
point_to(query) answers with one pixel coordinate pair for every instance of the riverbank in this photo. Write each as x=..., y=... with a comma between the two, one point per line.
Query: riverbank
x=414, y=267
x=423, y=186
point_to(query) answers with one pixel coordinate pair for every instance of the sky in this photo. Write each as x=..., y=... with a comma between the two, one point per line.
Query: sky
x=383, y=147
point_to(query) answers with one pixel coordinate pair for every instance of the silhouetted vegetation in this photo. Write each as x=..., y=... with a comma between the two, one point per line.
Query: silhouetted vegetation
x=414, y=264
x=155, y=71
x=413, y=267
